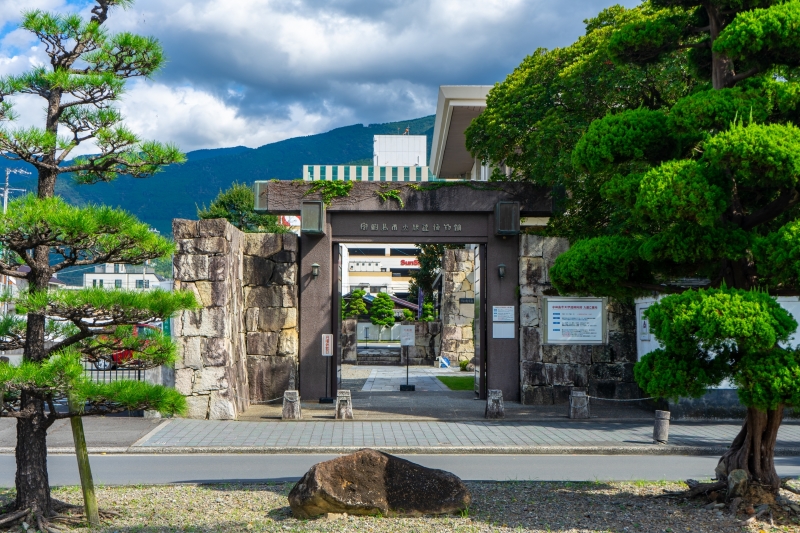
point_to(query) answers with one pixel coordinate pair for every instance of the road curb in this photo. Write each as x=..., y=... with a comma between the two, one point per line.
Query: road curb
x=410, y=450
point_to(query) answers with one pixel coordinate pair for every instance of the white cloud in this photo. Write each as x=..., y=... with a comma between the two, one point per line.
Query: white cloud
x=251, y=72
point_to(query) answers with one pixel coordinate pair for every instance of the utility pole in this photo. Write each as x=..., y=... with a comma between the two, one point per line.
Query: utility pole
x=6, y=190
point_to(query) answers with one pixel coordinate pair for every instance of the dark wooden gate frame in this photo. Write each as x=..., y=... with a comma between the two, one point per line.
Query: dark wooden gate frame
x=470, y=204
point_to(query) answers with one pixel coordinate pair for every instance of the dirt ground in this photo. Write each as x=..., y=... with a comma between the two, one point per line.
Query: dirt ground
x=497, y=506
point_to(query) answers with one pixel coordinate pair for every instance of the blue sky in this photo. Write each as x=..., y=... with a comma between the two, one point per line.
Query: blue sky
x=251, y=72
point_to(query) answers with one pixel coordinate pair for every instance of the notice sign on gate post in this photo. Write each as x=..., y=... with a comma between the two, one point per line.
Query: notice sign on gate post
x=407, y=334
x=327, y=345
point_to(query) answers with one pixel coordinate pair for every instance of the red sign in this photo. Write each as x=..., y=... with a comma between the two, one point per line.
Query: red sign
x=411, y=262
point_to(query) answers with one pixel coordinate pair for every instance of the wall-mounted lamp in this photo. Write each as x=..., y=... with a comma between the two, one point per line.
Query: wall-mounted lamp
x=315, y=270
x=501, y=270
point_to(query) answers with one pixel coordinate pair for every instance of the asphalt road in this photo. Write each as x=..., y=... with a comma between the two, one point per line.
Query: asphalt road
x=125, y=469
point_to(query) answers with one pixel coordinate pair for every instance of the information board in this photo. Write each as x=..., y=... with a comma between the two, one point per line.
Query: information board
x=407, y=334
x=327, y=345
x=502, y=313
x=575, y=320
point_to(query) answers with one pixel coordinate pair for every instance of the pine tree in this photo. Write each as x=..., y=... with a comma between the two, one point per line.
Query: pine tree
x=706, y=189
x=60, y=330
x=356, y=306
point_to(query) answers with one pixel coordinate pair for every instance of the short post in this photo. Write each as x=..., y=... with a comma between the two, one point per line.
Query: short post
x=578, y=404
x=661, y=428
x=291, y=405
x=344, y=405
x=494, y=404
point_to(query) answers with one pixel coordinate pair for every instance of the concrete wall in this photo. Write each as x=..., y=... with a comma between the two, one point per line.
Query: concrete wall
x=242, y=344
x=549, y=372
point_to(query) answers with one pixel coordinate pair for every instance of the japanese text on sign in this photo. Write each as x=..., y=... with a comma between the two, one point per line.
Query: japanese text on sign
x=407, y=334
x=575, y=321
x=327, y=345
x=423, y=228
x=502, y=313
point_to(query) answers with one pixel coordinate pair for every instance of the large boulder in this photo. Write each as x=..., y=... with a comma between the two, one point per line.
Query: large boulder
x=369, y=482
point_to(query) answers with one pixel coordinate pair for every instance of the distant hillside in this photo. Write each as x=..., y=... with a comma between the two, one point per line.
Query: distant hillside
x=177, y=191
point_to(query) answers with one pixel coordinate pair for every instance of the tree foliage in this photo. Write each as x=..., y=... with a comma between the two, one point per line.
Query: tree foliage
x=61, y=330
x=382, y=311
x=693, y=193
x=237, y=206
x=356, y=307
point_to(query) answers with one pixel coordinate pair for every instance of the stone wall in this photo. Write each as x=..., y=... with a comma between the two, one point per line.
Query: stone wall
x=458, y=277
x=349, y=341
x=427, y=343
x=242, y=344
x=549, y=372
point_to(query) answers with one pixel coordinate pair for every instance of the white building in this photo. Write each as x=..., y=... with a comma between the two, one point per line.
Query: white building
x=378, y=268
x=123, y=276
x=400, y=151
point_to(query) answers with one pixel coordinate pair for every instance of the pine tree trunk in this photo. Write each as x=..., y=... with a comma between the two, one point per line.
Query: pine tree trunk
x=753, y=449
x=33, y=485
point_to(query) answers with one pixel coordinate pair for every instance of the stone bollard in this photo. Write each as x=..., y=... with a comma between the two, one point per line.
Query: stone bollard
x=291, y=405
x=494, y=404
x=344, y=405
x=661, y=428
x=578, y=404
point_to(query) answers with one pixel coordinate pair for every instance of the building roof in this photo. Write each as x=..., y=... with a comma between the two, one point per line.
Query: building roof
x=457, y=106
x=399, y=302
x=54, y=280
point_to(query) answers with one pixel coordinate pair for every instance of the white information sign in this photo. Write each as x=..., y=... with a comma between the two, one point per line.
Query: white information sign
x=407, y=334
x=327, y=345
x=503, y=313
x=575, y=321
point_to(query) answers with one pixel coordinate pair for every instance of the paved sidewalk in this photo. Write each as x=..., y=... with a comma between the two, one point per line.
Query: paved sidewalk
x=389, y=379
x=187, y=436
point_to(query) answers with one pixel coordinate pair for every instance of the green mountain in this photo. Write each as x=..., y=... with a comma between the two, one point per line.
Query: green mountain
x=179, y=189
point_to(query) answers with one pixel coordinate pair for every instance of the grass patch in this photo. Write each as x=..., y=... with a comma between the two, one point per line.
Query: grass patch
x=458, y=382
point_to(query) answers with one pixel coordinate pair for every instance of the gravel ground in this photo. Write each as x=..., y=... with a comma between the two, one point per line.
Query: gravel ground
x=502, y=506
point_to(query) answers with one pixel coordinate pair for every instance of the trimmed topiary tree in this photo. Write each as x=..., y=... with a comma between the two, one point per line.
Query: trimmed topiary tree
x=356, y=307
x=706, y=189
x=59, y=331
x=382, y=311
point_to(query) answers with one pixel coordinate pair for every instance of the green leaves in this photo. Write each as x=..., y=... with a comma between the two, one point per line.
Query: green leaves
x=763, y=37
x=766, y=380
x=756, y=155
x=615, y=139
x=710, y=335
x=81, y=235
x=720, y=321
x=130, y=395
x=382, y=311
x=98, y=308
x=356, y=306
x=237, y=206
x=600, y=266
x=647, y=40
x=682, y=190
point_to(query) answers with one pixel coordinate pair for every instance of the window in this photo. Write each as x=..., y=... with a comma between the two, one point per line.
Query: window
x=413, y=252
x=117, y=283
x=367, y=251
x=376, y=289
x=142, y=283
x=94, y=283
x=116, y=269
x=100, y=283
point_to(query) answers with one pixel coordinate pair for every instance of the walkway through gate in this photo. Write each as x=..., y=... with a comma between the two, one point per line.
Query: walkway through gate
x=483, y=214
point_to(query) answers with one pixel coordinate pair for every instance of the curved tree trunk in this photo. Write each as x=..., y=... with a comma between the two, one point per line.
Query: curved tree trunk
x=753, y=449
x=33, y=485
